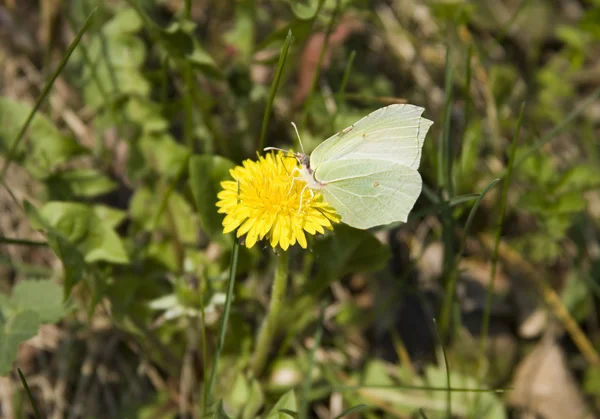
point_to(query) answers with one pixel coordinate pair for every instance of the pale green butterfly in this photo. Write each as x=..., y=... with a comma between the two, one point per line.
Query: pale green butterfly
x=368, y=171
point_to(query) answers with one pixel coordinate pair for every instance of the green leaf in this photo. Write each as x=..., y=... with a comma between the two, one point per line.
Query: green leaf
x=255, y=400
x=220, y=411
x=245, y=397
x=43, y=297
x=72, y=220
x=206, y=174
x=178, y=40
x=85, y=183
x=147, y=114
x=144, y=207
x=300, y=28
x=164, y=154
x=110, y=216
x=125, y=81
x=591, y=382
x=285, y=402
x=242, y=34
x=348, y=250
x=464, y=404
x=306, y=11
x=24, y=325
x=103, y=244
x=569, y=203
x=47, y=147
x=125, y=21
x=579, y=178
x=79, y=225
x=123, y=52
x=69, y=254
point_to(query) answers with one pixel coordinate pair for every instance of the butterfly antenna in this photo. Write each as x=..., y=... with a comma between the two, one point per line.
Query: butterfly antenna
x=298, y=135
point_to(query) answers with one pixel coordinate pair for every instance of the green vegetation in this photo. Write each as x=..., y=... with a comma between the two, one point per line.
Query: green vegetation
x=118, y=122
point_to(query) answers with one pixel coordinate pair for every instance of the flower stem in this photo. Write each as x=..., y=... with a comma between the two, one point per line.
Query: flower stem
x=269, y=326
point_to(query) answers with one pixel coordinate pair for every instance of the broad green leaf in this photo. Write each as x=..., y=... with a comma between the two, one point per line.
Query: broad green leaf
x=178, y=40
x=47, y=147
x=69, y=254
x=71, y=219
x=306, y=11
x=78, y=224
x=245, y=397
x=103, y=244
x=220, y=411
x=43, y=297
x=147, y=114
x=348, y=250
x=164, y=154
x=123, y=52
x=241, y=36
x=144, y=208
x=576, y=296
x=112, y=217
x=85, y=183
x=286, y=402
x=125, y=21
x=464, y=404
x=22, y=326
x=255, y=400
x=299, y=28
x=579, y=178
x=126, y=82
x=206, y=174
x=238, y=394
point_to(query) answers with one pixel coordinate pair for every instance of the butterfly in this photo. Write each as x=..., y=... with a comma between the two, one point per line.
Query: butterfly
x=368, y=171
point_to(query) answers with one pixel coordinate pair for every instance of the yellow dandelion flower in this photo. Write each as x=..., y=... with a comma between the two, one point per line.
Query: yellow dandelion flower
x=268, y=203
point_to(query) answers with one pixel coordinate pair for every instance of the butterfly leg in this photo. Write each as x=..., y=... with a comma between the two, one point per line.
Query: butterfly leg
x=294, y=178
x=312, y=195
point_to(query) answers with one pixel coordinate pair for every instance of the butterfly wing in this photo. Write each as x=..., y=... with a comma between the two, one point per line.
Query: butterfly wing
x=368, y=192
x=394, y=133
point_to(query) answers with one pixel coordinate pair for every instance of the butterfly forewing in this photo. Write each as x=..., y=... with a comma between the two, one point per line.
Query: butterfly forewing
x=394, y=133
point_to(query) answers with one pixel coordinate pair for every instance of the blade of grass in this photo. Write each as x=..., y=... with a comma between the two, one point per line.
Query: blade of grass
x=29, y=394
x=99, y=146
x=354, y=409
x=447, y=367
x=188, y=9
x=451, y=286
x=278, y=72
x=340, y=95
x=188, y=109
x=445, y=153
x=503, y=200
x=467, y=91
x=317, y=73
x=223, y=327
x=45, y=91
x=22, y=242
x=381, y=100
x=307, y=384
x=112, y=75
x=416, y=388
x=442, y=205
x=339, y=99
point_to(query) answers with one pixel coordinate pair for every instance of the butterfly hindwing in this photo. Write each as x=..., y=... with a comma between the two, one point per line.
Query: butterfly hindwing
x=369, y=192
